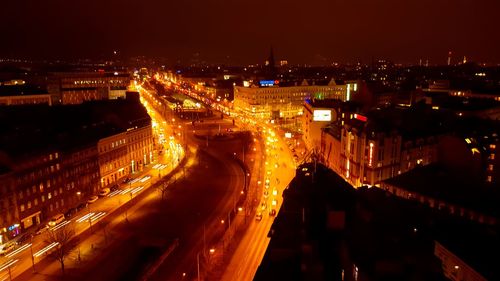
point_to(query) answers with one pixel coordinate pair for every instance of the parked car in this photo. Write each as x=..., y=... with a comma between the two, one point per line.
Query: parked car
x=7, y=248
x=69, y=213
x=104, y=192
x=92, y=199
x=57, y=219
x=23, y=238
x=81, y=206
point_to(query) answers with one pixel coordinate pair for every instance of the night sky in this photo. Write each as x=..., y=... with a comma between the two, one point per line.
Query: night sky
x=241, y=32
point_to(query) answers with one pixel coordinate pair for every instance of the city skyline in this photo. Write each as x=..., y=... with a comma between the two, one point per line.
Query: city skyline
x=319, y=33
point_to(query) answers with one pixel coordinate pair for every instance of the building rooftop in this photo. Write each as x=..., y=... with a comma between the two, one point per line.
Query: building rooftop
x=33, y=129
x=476, y=245
x=20, y=90
x=463, y=104
x=438, y=182
x=411, y=122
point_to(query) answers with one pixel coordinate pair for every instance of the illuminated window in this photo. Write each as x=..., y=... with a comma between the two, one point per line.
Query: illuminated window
x=22, y=207
x=492, y=146
x=492, y=156
x=488, y=179
x=490, y=167
x=49, y=195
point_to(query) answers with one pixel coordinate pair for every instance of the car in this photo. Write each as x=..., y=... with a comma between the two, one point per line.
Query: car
x=92, y=199
x=104, y=192
x=126, y=180
x=7, y=248
x=23, y=238
x=81, y=206
x=272, y=212
x=55, y=220
x=263, y=205
x=69, y=213
x=258, y=216
x=266, y=193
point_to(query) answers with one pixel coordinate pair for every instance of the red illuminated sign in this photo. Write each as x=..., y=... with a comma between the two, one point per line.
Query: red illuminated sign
x=360, y=117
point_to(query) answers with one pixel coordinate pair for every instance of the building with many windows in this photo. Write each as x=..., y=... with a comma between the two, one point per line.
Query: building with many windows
x=22, y=94
x=54, y=157
x=77, y=87
x=368, y=149
x=125, y=153
x=270, y=99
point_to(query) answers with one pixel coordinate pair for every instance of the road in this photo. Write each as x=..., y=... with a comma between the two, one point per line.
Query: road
x=278, y=171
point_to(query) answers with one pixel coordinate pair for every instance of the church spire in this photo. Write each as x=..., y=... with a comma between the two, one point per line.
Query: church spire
x=270, y=66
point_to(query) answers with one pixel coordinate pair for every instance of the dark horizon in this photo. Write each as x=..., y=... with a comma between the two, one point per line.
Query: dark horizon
x=318, y=32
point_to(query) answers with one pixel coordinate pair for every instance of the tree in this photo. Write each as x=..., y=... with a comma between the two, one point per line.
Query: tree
x=63, y=237
x=163, y=189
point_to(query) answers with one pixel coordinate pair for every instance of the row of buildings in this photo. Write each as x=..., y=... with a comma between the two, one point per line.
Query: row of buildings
x=67, y=88
x=53, y=158
x=367, y=145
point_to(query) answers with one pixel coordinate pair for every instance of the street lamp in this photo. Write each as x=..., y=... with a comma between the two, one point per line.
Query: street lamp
x=32, y=257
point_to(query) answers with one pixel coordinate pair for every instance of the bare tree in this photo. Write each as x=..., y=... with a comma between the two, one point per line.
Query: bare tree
x=63, y=237
x=163, y=189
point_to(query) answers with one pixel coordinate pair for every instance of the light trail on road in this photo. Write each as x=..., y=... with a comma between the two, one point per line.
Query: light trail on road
x=7, y=265
x=85, y=217
x=59, y=226
x=18, y=250
x=46, y=249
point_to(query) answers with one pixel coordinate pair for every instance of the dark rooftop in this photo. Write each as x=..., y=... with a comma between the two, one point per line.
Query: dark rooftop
x=32, y=129
x=438, y=182
x=411, y=122
x=477, y=245
x=17, y=90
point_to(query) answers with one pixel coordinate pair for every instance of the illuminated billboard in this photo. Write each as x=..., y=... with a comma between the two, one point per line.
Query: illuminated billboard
x=268, y=83
x=322, y=115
